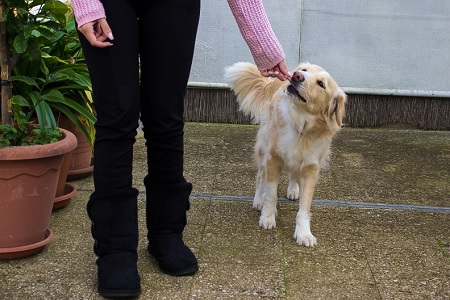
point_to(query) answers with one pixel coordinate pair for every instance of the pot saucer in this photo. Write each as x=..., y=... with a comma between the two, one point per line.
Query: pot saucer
x=27, y=250
x=69, y=191
x=80, y=173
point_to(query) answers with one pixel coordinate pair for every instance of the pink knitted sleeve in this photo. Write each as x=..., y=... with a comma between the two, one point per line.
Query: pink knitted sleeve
x=257, y=32
x=250, y=17
x=87, y=10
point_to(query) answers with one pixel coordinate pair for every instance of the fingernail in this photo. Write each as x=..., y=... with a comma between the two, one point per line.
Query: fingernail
x=110, y=36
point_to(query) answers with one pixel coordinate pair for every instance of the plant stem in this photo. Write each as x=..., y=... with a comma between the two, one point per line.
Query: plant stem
x=6, y=93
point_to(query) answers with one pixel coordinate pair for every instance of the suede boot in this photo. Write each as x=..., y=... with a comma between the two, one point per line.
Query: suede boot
x=166, y=219
x=115, y=232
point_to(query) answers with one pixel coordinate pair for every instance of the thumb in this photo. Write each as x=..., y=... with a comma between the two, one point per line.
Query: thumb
x=284, y=69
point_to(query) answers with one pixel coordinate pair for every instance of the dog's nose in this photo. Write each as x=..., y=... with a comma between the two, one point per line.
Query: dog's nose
x=298, y=77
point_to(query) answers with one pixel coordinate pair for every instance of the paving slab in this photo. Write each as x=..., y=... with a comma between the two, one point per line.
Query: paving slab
x=370, y=245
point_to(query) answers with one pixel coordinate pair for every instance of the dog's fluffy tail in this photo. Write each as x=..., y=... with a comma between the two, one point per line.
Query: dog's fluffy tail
x=250, y=87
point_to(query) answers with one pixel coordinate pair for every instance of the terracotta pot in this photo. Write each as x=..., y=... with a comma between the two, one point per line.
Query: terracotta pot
x=62, y=179
x=69, y=191
x=81, y=165
x=28, y=181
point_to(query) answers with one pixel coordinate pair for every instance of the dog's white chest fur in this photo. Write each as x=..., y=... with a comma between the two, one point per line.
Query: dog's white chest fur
x=297, y=149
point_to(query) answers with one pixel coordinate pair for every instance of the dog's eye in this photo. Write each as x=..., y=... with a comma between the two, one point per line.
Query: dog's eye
x=304, y=70
x=321, y=84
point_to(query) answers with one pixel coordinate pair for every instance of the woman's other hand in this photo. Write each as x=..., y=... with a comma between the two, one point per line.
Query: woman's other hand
x=98, y=33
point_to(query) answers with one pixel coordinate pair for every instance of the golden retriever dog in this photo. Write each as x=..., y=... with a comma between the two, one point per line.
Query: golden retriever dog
x=297, y=120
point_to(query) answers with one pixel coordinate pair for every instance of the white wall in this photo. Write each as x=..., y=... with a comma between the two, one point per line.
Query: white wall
x=379, y=46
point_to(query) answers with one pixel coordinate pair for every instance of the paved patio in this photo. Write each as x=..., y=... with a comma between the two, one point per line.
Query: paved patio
x=381, y=217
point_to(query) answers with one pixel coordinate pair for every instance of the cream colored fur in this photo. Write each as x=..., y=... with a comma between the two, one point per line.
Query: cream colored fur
x=294, y=135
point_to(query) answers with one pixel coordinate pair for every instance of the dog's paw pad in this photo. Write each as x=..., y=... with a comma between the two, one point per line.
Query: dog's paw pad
x=267, y=222
x=307, y=240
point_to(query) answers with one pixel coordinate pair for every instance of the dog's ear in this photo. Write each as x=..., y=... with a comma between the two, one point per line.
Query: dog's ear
x=340, y=99
x=336, y=109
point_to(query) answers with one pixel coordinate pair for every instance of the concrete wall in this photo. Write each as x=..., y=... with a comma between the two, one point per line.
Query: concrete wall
x=399, y=47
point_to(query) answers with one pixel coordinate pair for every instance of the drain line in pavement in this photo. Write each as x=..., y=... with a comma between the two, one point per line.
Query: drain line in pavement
x=436, y=209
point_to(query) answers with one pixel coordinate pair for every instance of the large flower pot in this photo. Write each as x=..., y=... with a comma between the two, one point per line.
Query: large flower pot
x=81, y=163
x=65, y=191
x=28, y=182
x=67, y=161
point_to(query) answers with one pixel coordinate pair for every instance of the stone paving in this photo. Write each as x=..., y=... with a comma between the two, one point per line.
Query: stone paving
x=381, y=216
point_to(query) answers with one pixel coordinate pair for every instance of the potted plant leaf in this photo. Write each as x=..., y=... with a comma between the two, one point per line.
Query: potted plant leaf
x=35, y=89
x=63, y=77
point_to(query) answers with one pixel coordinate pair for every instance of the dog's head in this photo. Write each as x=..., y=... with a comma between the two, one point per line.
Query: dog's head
x=313, y=87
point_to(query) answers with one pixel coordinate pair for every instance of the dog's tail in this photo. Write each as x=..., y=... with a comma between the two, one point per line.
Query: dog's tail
x=250, y=87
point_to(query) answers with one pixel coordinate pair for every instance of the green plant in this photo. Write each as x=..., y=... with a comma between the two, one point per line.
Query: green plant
x=48, y=74
x=12, y=136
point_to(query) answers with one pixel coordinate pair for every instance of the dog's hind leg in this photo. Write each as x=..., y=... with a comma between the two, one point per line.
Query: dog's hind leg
x=270, y=197
x=258, y=200
x=293, y=190
x=308, y=180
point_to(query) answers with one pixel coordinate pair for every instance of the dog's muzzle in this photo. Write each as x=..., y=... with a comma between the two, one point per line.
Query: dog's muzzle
x=296, y=82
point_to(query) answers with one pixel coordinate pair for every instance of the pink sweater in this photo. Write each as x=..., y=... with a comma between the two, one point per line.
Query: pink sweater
x=250, y=17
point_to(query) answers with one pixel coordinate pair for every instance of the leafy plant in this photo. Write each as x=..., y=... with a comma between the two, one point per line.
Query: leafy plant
x=11, y=136
x=49, y=75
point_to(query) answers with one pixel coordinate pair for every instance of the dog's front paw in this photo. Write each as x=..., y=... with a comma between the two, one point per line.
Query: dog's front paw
x=302, y=234
x=305, y=239
x=267, y=221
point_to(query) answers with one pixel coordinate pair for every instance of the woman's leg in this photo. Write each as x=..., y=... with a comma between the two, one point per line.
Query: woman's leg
x=114, y=73
x=168, y=29
x=113, y=205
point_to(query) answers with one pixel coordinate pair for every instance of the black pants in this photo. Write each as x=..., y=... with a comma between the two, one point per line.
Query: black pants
x=144, y=74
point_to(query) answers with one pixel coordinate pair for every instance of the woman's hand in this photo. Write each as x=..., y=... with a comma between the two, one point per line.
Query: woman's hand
x=279, y=71
x=97, y=33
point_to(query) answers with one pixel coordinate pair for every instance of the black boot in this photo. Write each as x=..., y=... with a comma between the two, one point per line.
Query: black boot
x=115, y=232
x=166, y=219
